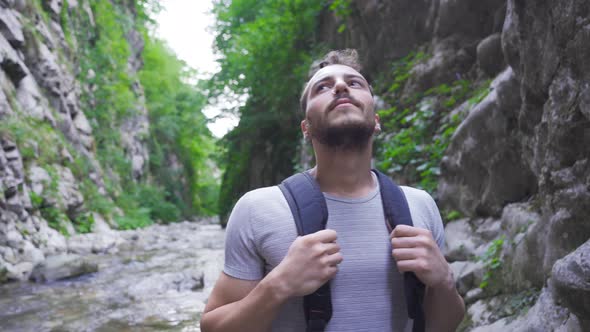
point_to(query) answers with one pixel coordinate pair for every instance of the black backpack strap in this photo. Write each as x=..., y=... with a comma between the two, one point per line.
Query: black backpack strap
x=308, y=206
x=397, y=212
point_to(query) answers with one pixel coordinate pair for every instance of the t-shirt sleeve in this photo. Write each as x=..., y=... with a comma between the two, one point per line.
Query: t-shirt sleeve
x=242, y=258
x=438, y=230
x=425, y=214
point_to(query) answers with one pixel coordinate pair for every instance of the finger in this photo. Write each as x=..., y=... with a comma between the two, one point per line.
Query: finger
x=405, y=254
x=334, y=259
x=331, y=272
x=326, y=235
x=405, y=242
x=411, y=265
x=331, y=248
x=405, y=231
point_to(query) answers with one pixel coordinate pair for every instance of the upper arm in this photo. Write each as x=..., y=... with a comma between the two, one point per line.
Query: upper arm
x=228, y=290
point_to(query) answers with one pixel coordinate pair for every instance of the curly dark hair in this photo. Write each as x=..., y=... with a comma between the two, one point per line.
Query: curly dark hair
x=347, y=57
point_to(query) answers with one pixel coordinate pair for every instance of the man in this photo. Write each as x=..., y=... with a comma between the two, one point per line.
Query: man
x=268, y=268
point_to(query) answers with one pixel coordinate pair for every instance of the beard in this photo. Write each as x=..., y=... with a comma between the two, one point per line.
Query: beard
x=347, y=136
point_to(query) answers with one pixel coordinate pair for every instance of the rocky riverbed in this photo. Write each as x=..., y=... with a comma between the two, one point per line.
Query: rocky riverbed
x=153, y=279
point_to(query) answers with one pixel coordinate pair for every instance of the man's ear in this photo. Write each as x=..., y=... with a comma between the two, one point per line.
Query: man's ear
x=305, y=129
x=377, y=129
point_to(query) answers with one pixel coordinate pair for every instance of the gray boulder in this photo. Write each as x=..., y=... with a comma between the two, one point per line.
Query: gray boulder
x=61, y=267
x=10, y=62
x=489, y=55
x=11, y=28
x=95, y=243
x=460, y=241
x=571, y=282
x=483, y=169
x=468, y=275
x=155, y=284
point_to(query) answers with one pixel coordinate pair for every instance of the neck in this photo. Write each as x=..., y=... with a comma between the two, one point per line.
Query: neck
x=345, y=173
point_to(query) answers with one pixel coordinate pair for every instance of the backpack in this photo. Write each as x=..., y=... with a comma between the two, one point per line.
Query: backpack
x=310, y=212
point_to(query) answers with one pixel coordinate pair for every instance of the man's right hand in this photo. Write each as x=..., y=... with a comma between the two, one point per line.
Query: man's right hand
x=311, y=261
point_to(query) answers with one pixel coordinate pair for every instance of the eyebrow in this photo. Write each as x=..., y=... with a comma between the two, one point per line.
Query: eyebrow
x=330, y=77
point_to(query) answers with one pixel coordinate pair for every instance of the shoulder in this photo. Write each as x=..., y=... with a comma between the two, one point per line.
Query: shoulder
x=259, y=206
x=266, y=198
x=419, y=199
x=416, y=195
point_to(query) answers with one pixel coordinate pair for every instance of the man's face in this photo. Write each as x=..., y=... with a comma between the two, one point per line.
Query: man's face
x=339, y=108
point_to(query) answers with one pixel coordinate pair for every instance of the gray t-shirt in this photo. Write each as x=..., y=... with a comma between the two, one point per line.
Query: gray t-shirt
x=367, y=291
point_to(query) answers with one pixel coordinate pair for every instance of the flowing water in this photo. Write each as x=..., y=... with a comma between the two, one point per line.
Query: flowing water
x=158, y=280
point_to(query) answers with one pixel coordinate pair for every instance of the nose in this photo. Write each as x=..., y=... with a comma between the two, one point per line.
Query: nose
x=340, y=86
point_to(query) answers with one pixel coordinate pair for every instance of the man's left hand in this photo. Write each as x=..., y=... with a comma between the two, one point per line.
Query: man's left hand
x=415, y=250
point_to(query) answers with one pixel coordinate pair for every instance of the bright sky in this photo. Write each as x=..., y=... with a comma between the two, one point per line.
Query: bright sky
x=185, y=25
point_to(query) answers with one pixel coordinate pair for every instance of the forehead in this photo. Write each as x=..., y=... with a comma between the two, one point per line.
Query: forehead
x=333, y=71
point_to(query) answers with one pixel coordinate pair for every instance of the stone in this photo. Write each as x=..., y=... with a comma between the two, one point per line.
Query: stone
x=8, y=255
x=100, y=243
x=467, y=275
x=489, y=229
x=82, y=124
x=133, y=133
x=69, y=193
x=448, y=61
x=571, y=280
x=100, y=225
x=13, y=238
x=11, y=63
x=544, y=315
x=585, y=100
x=523, y=227
x=499, y=325
x=32, y=102
x=466, y=18
x=460, y=241
x=19, y=272
x=473, y=295
x=489, y=55
x=30, y=253
x=62, y=266
x=480, y=312
x=53, y=7
x=11, y=28
x=518, y=217
x=188, y=280
x=49, y=240
x=5, y=108
x=39, y=178
x=483, y=168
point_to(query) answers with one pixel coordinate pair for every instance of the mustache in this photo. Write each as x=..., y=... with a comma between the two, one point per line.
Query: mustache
x=338, y=98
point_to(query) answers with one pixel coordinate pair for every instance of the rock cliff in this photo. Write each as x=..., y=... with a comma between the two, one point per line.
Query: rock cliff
x=48, y=148
x=516, y=173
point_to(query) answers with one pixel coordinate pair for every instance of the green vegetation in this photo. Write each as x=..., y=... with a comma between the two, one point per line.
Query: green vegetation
x=177, y=127
x=265, y=42
x=420, y=126
x=179, y=180
x=342, y=10
x=452, y=215
x=266, y=49
x=3, y=275
x=521, y=302
x=177, y=132
x=492, y=261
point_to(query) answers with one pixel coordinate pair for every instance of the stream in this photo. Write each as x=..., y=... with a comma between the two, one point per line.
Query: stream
x=158, y=280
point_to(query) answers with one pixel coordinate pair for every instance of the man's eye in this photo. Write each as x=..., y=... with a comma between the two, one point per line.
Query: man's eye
x=321, y=87
x=355, y=83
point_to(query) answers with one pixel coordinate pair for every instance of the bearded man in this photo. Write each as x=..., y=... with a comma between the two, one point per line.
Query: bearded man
x=269, y=268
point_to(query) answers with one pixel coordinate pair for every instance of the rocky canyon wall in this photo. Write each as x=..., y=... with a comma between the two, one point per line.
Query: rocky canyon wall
x=48, y=163
x=516, y=171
